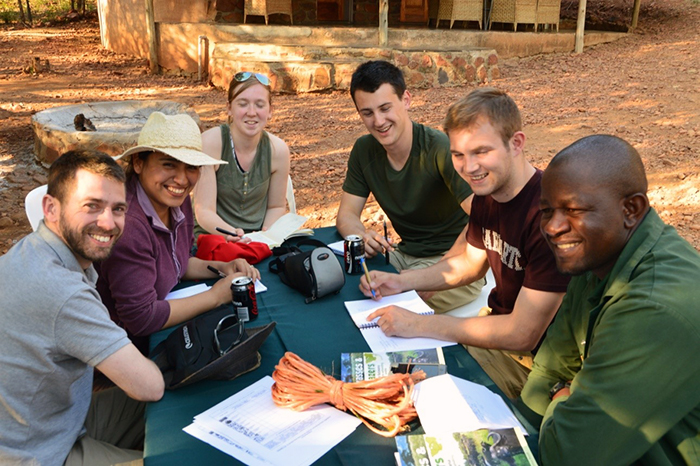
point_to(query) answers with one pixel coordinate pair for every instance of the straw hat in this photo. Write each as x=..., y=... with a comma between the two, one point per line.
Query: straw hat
x=175, y=135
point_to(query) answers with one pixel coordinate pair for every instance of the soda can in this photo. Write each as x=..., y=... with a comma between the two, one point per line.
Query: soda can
x=243, y=296
x=354, y=252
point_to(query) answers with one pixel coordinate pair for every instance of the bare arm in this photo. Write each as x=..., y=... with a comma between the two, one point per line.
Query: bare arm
x=137, y=375
x=205, y=191
x=276, y=196
x=520, y=330
x=349, y=222
x=184, y=309
x=467, y=204
x=458, y=270
x=461, y=242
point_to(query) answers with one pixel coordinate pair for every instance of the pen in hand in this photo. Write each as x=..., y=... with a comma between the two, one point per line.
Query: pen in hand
x=216, y=271
x=369, y=280
x=386, y=250
x=226, y=232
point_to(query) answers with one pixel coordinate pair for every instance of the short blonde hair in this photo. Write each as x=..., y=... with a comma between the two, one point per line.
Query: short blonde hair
x=487, y=102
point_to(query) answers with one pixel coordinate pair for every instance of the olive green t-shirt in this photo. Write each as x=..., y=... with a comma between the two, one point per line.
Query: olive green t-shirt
x=423, y=199
x=241, y=197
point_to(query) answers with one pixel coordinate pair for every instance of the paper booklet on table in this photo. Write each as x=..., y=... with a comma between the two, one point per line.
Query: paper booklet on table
x=484, y=446
x=355, y=367
x=287, y=226
x=375, y=337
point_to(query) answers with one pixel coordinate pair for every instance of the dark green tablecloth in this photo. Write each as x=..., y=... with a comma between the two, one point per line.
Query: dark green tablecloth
x=318, y=332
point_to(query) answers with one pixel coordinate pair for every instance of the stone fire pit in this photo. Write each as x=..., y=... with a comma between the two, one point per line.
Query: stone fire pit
x=117, y=126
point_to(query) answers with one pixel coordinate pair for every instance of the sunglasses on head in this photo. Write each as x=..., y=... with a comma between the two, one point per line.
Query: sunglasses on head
x=244, y=76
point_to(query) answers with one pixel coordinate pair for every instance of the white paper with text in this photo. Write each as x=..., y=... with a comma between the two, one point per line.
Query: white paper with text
x=280, y=436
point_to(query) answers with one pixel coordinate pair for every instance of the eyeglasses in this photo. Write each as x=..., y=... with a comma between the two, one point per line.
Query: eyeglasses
x=244, y=76
x=225, y=330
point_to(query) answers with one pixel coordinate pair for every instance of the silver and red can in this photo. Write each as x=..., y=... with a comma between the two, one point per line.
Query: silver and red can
x=354, y=252
x=243, y=295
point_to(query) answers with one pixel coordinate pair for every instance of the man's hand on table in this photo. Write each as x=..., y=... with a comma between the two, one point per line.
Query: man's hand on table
x=396, y=321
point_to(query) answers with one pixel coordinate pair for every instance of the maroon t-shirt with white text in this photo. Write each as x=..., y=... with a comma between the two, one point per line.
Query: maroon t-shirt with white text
x=516, y=250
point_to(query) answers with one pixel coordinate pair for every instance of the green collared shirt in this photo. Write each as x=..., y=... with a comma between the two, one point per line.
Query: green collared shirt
x=630, y=344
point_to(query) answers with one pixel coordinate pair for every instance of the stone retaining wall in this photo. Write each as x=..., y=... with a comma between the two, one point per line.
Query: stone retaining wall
x=305, y=69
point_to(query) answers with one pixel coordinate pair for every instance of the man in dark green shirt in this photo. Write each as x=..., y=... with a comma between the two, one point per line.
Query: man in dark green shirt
x=408, y=169
x=616, y=380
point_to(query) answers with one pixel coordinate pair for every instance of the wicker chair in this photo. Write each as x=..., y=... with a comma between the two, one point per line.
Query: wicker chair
x=548, y=12
x=266, y=8
x=460, y=10
x=514, y=11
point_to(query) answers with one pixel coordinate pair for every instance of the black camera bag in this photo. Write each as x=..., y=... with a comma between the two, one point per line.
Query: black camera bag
x=315, y=273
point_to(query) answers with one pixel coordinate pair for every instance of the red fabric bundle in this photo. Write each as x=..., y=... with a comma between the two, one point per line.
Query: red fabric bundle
x=216, y=248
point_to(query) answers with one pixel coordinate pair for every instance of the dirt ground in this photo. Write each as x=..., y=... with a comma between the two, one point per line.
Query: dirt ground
x=644, y=88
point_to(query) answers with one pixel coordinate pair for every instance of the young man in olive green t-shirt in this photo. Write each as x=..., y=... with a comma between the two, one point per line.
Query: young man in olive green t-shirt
x=408, y=168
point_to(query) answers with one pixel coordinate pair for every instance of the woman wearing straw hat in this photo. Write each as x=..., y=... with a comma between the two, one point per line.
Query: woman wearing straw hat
x=153, y=254
x=248, y=194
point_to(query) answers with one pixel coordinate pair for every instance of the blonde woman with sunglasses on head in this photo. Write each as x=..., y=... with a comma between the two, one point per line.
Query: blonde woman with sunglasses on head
x=249, y=193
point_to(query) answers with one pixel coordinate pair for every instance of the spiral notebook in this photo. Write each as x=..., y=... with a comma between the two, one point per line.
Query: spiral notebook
x=359, y=310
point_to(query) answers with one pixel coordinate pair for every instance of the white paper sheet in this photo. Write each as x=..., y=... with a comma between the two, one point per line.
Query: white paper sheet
x=380, y=343
x=338, y=248
x=360, y=309
x=259, y=287
x=202, y=287
x=375, y=337
x=187, y=292
x=447, y=404
x=226, y=445
x=253, y=426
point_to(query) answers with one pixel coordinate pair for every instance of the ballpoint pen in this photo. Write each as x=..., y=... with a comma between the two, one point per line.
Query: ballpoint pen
x=226, y=232
x=386, y=250
x=364, y=266
x=216, y=271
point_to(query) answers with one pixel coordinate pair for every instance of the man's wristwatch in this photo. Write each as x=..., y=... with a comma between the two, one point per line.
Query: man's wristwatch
x=558, y=386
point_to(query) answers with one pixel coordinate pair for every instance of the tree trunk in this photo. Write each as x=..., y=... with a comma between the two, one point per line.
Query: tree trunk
x=21, y=12
x=29, y=13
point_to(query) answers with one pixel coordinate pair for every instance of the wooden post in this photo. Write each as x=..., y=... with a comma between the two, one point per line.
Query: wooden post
x=635, y=14
x=580, y=26
x=152, y=44
x=103, y=23
x=383, y=23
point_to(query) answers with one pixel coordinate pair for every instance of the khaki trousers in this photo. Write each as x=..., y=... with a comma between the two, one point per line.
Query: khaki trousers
x=507, y=369
x=441, y=301
x=115, y=432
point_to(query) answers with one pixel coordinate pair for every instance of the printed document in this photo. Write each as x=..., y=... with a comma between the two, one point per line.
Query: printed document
x=251, y=428
x=447, y=404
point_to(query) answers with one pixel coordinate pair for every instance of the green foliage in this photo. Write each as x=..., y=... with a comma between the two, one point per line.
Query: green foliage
x=43, y=11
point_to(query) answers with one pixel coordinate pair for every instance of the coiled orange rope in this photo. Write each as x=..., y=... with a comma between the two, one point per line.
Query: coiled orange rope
x=385, y=401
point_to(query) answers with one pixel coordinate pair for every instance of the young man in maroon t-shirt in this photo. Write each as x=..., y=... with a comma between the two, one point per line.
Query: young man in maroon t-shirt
x=487, y=144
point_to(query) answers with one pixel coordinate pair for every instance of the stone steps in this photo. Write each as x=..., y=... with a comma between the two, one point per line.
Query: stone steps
x=307, y=68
